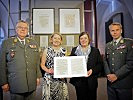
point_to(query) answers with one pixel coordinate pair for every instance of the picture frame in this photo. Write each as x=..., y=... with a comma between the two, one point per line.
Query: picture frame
x=43, y=20
x=69, y=21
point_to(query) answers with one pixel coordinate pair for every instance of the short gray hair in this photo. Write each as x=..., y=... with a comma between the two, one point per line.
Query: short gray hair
x=22, y=21
x=115, y=23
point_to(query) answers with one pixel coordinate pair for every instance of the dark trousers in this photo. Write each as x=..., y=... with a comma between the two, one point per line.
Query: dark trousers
x=84, y=93
x=119, y=94
x=1, y=94
x=23, y=96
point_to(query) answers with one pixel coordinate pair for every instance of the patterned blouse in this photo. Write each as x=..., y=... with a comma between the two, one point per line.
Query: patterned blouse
x=51, y=53
x=54, y=88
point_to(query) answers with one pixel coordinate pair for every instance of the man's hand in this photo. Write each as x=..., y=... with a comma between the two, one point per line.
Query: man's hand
x=112, y=77
x=5, y=87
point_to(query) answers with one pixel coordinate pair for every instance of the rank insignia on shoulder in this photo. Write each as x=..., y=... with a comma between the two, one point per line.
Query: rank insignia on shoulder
x=33, y=46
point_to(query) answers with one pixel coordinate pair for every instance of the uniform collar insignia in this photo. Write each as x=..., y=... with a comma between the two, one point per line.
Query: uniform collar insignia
x=122, y=41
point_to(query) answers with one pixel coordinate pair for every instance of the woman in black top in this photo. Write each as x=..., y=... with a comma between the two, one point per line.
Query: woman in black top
x=86, y=87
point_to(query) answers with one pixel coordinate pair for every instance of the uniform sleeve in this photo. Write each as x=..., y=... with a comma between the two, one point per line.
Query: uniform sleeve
x=128, y=67
x=106, y=66
x=3, y=68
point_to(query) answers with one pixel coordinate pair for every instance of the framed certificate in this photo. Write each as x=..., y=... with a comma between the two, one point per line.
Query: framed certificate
x=43, y=21
x=69, y=20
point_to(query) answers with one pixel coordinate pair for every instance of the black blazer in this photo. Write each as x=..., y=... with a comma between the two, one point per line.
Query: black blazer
x=95, y=63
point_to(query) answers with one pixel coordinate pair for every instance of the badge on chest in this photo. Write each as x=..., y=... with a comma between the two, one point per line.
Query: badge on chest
x=121, y=47
x=32, y=46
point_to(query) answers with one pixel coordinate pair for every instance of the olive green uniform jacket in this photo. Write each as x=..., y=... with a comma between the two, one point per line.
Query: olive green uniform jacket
x=19, y=65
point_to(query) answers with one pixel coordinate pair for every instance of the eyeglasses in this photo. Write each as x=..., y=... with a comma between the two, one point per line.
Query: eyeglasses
x=25, y=28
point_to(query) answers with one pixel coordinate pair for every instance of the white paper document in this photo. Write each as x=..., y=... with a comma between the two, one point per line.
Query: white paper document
x=72, y=66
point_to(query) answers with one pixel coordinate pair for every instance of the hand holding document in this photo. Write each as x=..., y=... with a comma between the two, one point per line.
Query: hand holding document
x=72, y=66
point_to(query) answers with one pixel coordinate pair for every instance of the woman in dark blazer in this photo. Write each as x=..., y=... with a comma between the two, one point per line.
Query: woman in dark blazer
x=86, y=87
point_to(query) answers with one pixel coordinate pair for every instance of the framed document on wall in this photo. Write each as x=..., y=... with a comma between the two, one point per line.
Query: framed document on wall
x=43, y=21
x=69, y=20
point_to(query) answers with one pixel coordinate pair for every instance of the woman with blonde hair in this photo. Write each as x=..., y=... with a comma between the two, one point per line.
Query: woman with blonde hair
x=53, y=88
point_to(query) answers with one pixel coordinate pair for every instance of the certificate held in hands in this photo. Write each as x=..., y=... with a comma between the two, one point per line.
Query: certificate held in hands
x=72, y=66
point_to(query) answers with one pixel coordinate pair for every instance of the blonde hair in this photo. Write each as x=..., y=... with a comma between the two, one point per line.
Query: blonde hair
x=55, y=34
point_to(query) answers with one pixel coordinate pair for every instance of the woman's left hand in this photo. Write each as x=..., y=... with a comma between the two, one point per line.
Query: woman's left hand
x=89, y=73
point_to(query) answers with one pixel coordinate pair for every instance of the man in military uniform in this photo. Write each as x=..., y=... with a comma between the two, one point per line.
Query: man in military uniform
x=20, y=65
x=119, y=65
